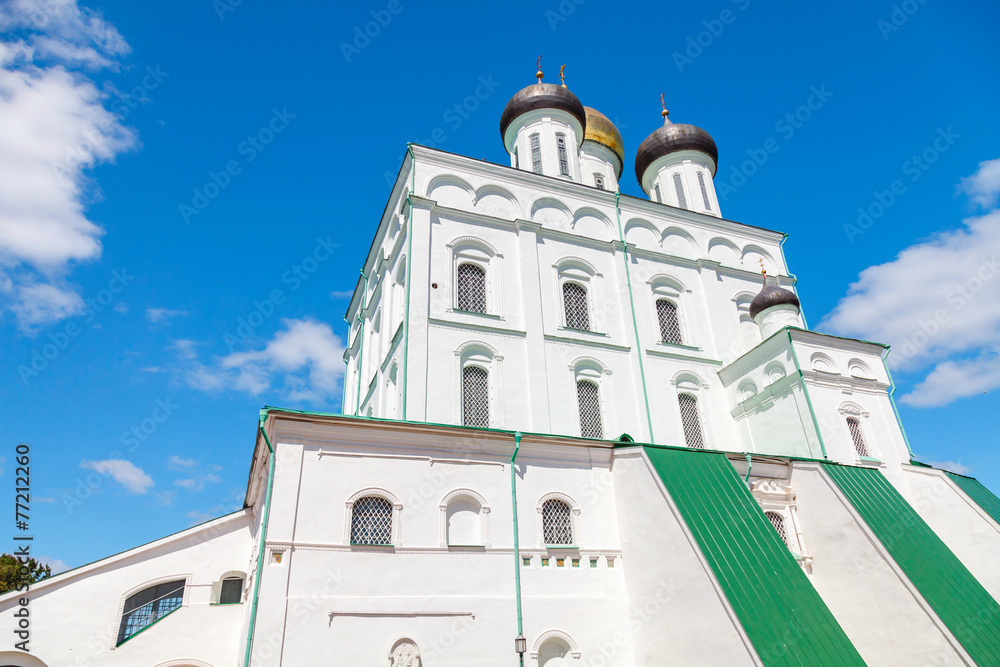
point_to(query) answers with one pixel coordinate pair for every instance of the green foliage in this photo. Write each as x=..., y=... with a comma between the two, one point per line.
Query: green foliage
x=13, y=573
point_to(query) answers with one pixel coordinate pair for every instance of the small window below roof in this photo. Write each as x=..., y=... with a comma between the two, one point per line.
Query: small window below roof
x=536, y=154
x=704, y=191
x=679, y=188
x=599, y=181
x=232, y=591
x=563, y=159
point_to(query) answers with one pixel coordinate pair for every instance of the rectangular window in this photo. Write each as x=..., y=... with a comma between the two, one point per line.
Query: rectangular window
x=232, y=591
x=659, y=199
x=563, y=159
x=679, y=187
x=536, y=154
x=704, y=191
x=599, y=181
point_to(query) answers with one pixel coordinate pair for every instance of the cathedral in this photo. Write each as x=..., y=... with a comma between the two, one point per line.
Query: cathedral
x=579, y=429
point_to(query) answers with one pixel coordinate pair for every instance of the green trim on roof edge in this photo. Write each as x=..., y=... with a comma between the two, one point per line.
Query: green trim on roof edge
x=787, y=621
x=957, y=597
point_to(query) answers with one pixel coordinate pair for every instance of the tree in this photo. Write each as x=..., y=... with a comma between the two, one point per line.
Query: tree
x=14, y=573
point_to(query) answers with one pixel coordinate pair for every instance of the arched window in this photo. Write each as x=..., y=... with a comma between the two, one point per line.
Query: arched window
x=656, y=189
x=704, y=191
x=691, y=421
x=148, y=606
x=778, y=522
x=553, y=653
x=475, y=397
x=859, y=440
x=589, y=397
x=231, y=590
x=464, y=519
x=471, y=288
x=536, y=154
x=557, y=522
x=371, y=521
x=679, y=188
x=563, y=159
x=575, y=305
x=670, y=327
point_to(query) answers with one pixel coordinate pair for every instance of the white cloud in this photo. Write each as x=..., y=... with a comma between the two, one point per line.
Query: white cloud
x=198, y=482
x=304, y=360
x=55, y=127
x=952, y=466
x=984, y=185
x=177, y=463
x=938, y=305
x=337, y=294
x=157, y=315
x=124, y=472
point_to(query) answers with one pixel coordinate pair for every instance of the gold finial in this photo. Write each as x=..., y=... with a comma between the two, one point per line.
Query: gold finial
x=762, y=269
x=562, y=75
x=538, y=74
x=664, y=113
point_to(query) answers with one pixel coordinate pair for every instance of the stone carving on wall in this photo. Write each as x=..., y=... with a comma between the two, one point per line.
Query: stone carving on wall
x=404, y=654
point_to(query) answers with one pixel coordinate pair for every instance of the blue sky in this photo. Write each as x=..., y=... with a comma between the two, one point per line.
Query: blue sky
x=189, y=188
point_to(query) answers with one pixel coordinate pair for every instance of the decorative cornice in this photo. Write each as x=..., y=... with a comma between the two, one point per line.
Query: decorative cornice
x=583, y=342
x=463, y=326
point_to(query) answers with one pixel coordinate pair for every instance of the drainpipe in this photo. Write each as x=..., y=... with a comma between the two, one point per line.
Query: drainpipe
x=892, y=401
x=263, y=536
x=517, y=548
x=635, y=324
x=361, y=342
x=746, y=480
x=409, y=270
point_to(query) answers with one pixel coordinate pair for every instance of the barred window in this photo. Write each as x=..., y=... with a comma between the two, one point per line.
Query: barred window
x=536, y=154
x=371, y=521
x=563, y=160
x=778, y=522
x=670, y=327
x=471, y=288
x=599, y=181
x=679, y=188
x=475, y=397
x=575, y=304
x=588, y=395
x=704, y=191
x=656, y=188
x=517, y=160
x=557, y=522
x=859, y=440
x=691, y=421
x=148, y=606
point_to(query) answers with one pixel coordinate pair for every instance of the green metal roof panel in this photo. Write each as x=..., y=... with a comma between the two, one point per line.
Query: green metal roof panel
x=782, y=614
x=960, y=601
x=979, y=493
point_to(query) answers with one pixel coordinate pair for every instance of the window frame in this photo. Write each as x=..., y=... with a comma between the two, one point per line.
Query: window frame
x=574, y=516
x=475, y=251
x=484, y=518
x=678, y=181
x=704, y=191
x=116, y=639
x=699, y=419
x=397, y=510
x=599, y=180
x=672, y=303
x=570, y=283
x=535, y=144
x=484, y=274
x=600, y=408
x=563, y=154
x=472, y=366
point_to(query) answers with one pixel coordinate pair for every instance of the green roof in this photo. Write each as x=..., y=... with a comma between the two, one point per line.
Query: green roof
x=785, y=618
x=957, y=597
x=979, y=493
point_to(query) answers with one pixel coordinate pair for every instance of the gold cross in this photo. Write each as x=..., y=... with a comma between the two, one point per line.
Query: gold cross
x=562, y=76
x=762, y=269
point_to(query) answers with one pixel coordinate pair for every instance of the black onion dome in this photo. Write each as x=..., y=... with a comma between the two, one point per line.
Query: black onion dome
x=541, y=96
x=772, y=295
x=672, y=138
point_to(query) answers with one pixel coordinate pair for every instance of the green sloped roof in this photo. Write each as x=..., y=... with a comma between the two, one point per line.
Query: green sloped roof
x=782, y=614
x=979, y=493
x=957, y=597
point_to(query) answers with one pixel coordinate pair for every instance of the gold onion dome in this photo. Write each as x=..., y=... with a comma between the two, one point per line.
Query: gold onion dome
x=601, y=130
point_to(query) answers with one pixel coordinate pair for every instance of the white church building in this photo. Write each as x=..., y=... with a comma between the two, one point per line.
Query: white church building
x=580, y=429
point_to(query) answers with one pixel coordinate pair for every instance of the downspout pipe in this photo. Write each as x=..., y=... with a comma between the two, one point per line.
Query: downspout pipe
x=517, y=547
x=361, y=343
x=892, y=401
x=746, y=480
x=635, y=324
x=263, y=537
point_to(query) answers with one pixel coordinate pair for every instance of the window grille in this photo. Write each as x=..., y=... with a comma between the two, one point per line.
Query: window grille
x=599, y=181
x=679, y=187
x=659, y=199
x=670, y=327
x=704, y=191
x=471, y=288
x=778, y=522
x=575, y=304
x=536, y=154
x=563, y=160
x=857, y=437
x=557, y=522
x=232, y=591
x=148, y=606
x=589, y=397
x=371, y=521
x=691, y=421
x=517, y=160
x=475, y=397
